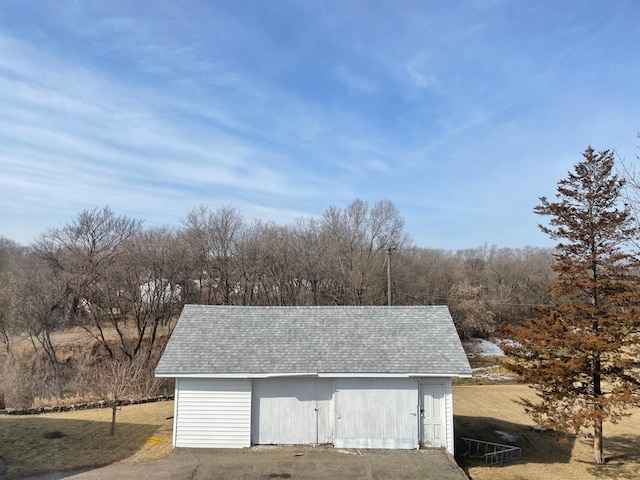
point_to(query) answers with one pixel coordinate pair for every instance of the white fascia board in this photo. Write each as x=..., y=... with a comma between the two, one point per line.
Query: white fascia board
x=307, y=374
x=365, y=375
x=390, y=375
x=459, y=375
x=234, y=375
x=209, y=375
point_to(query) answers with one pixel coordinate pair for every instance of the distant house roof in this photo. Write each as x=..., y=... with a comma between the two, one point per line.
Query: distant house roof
x=232, y=341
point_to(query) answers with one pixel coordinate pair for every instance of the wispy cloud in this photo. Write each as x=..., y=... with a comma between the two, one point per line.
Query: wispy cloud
x=416, y=68
x=462, y=116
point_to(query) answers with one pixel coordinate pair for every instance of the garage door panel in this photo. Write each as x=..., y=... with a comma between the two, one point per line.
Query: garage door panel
x=291, y=411
x=376, y=413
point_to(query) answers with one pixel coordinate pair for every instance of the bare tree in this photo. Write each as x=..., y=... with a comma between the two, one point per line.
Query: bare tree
x=154, y=281
x=249, y=265
x=309, y=249
x=42, y=300
x=11, y=255
x=278, y=281
x=42, y=296
x=212, y=238
x=425, y=276
x=470, y=312
x=515, y=280
x=631, y=190
x=114, y=379
x=83, y=251
x=359, y=236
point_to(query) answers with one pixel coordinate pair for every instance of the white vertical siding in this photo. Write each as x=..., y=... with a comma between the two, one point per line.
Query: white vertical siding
x=293, y=410
x=348, y=412
x=326, y=419
x=212, y=413
x=376, y=413
x=448, y=404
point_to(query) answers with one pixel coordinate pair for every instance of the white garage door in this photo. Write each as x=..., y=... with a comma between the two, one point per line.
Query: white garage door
x=376, y=413
x=292, y=411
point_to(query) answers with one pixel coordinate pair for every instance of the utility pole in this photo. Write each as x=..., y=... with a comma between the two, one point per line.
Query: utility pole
x=389, y=250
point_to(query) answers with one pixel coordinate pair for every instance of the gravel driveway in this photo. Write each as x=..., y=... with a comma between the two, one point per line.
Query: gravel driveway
x=297, y=463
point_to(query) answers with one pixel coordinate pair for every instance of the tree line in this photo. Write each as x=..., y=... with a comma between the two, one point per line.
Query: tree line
x=125, y=284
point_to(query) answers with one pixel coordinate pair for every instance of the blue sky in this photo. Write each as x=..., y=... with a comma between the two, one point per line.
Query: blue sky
x=460, y=113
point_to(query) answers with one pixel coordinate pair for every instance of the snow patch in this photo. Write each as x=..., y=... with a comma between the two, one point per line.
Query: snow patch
x=497, y=378
x=481, y=369
x=484, y=348
x=507, y=436
x=488, y=375
x=538, y=428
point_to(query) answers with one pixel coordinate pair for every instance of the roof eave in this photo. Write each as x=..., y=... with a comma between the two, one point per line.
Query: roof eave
x=314, y=374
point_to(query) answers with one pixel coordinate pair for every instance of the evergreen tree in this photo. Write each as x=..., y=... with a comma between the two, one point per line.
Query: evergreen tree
x=581, y=353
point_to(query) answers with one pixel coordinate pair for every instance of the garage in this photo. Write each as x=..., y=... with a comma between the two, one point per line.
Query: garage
x=354, y=377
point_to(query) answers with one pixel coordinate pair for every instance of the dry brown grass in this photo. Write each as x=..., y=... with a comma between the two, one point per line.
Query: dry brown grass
x=142, y=433
x=481, y=410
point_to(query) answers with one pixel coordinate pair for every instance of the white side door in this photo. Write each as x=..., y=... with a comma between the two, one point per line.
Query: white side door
x=433, y=414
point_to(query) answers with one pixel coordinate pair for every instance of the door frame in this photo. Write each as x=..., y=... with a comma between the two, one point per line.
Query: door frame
x=446, y=392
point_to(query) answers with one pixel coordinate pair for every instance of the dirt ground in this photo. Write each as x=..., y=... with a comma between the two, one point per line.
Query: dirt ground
x=299, y=463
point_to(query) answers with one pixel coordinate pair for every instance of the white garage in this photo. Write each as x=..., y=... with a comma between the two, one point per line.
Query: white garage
x=354, y=377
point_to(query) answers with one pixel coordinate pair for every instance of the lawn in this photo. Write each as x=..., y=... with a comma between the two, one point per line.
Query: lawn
x=143, y=432
x=480, y=411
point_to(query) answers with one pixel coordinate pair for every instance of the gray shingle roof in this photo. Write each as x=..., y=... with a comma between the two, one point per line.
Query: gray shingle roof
x=229, y=340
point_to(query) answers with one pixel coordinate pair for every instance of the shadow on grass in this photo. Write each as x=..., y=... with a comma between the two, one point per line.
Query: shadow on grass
x=36, y=444
x=537, y=447
x=620, y=451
